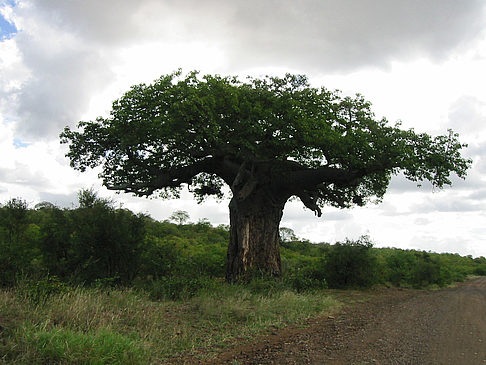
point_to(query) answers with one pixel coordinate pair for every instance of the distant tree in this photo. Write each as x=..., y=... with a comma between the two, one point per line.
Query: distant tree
x=14, y=219
x=13, y=244
x=179, y=216
x=55, y=240
x=268, y=140
x=287, y=234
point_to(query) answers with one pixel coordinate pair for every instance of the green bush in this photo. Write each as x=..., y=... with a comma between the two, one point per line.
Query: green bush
x=309, y=277
x=351, y=264
x=399, y=266
x=480, y=270
x=39, y=291
x=429, y=271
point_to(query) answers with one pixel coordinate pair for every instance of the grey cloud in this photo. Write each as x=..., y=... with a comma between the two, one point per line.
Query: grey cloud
x=341, y=36
x=337, y=216
x=23, y=175
x=310, y=35
x=296, y=212
x=459, y=245
x=60, y=200
x=448, y=204
x=478, y=195
x=107, y=22
x=323, y=35
x=60, y=89
x=400, y=184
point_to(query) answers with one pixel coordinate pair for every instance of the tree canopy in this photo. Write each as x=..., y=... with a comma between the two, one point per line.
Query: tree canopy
x=210, y=130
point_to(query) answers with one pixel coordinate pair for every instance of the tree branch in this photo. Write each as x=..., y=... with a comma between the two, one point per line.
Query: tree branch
x=310, y=201
x=169, y=177
x=309, y=178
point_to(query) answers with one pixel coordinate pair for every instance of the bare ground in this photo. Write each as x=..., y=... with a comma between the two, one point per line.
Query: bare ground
x=394, y=327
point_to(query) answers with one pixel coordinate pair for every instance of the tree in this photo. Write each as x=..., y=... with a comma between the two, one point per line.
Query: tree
x=287, y=235
x=14, y=248
x=268, y=140
x=180, y=217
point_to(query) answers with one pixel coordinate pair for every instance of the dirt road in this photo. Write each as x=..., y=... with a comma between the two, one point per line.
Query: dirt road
x=395, y=327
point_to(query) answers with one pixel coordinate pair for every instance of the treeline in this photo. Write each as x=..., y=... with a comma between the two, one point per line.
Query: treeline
x=97, y=243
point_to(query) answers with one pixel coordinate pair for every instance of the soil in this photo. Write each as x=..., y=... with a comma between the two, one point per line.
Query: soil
x=392, y=326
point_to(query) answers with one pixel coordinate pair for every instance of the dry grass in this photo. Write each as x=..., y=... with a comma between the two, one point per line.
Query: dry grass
x=84, y=325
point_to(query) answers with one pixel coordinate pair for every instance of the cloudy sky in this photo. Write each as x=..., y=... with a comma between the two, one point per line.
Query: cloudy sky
x=419, y=61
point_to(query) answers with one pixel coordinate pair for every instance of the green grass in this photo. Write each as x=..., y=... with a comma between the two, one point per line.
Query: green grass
x=125, y=326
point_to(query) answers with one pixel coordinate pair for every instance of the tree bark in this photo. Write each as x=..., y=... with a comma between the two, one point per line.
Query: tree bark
x=254, y=238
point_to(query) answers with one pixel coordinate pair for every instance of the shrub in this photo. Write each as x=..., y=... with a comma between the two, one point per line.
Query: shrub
x=480, y=270
x=38, y=291
x=351, y=264
x=309, y=277
x=399, y=266
x=428, y=271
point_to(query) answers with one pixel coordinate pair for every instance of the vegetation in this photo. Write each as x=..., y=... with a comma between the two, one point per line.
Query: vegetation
x=127, y=326
x=268, y=140
x=98, y=284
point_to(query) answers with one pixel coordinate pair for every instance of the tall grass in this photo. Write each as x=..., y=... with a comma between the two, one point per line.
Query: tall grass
x=126, y=326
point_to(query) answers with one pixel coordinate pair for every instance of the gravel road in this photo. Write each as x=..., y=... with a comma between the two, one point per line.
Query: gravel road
x=395, y=327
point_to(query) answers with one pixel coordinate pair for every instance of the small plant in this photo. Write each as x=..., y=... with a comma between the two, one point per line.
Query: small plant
x=38, y=291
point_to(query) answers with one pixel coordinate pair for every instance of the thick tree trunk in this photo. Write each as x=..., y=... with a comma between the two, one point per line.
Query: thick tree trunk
x=254, y=240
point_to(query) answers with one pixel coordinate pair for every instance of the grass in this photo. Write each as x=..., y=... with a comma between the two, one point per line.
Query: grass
x=126, y=326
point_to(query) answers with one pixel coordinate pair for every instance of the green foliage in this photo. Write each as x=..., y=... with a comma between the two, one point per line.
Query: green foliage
x=307, y=278
x=179, y=216
x=480, y=270
x=351, y=264
x=126, y=326
x=287, y=235
x=177, y=287
x=105, y=242
x=17, y=240
x=399, y=267
x=38, y=291
x=428, y=270
x=190, y=250
x=205, y=130
x=63, y=346
x=99, y=245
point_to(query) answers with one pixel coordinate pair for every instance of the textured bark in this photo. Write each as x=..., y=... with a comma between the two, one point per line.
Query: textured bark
x=254, y=241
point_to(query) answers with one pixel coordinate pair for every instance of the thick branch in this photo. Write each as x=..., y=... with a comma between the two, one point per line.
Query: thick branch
x=170, y=177
x=310, y=202
x=310, y=178
x=244, y=183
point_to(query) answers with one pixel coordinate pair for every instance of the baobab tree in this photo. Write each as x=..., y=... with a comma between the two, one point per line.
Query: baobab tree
x=267, y=139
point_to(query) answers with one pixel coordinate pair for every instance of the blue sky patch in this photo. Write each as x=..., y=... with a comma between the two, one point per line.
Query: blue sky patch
x=19, y=144
x=7, y=29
